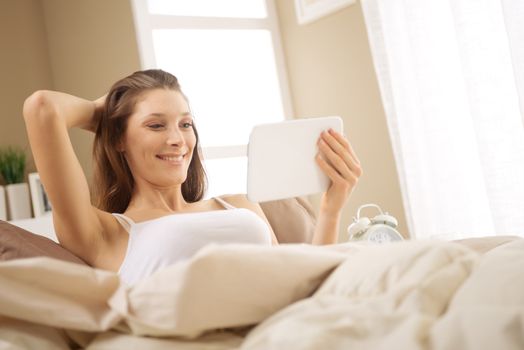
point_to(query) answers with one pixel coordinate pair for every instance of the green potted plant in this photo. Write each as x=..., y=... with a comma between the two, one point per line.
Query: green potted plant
x=12, y=169
x=3, y=207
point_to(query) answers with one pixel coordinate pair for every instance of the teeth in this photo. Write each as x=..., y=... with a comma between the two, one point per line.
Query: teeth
x=173, y=159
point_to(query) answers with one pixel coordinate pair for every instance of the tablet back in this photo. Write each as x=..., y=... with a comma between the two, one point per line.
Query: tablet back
x=281, y=159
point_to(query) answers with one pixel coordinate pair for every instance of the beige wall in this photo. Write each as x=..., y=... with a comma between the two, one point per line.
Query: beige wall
x=24, y=66
x=330, y=72
x=91, y=44
x=80, y=47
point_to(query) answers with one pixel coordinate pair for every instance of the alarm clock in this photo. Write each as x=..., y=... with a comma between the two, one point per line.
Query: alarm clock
x=379, y=229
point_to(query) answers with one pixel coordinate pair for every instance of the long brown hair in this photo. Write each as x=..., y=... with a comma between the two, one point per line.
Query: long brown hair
x=113, y=180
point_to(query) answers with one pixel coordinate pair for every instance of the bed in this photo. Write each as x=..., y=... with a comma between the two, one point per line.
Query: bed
x=466, y=294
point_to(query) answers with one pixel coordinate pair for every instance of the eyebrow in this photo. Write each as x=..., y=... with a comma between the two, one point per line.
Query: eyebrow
x=163, y=115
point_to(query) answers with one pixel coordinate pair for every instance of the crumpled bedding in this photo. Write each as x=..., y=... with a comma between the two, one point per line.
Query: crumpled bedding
x=408, y=295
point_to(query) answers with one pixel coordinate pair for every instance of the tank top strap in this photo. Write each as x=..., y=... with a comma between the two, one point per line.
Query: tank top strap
x=126, y=222
x=224, y=203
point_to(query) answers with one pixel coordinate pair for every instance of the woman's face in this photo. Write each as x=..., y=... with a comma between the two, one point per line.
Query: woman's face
x=159, y=140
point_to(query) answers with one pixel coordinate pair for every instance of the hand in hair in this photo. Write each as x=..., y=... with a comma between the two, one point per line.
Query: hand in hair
x=93, y=122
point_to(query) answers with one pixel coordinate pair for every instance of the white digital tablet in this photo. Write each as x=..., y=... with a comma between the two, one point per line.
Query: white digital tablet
x=281, y=159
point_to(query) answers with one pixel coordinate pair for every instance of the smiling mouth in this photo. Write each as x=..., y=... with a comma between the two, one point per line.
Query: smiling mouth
x=171, y=159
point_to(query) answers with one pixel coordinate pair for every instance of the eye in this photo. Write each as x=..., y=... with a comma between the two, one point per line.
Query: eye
x=187, y=125
x=155, y=126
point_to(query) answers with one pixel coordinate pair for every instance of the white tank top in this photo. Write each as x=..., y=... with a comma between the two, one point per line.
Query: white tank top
x=157, y=243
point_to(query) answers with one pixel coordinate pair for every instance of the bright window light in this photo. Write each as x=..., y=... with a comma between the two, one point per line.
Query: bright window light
x=232, y=173
x=209, y=8
x=229, y=76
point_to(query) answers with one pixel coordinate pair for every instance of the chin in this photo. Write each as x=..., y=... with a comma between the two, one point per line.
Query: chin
x=175, y=180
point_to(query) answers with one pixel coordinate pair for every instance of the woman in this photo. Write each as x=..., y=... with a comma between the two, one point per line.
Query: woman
x=147, y=167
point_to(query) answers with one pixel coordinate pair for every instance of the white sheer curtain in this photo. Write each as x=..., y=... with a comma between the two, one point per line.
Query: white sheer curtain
x=451, y=75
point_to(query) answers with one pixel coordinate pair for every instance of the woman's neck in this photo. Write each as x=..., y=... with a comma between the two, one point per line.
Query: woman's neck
x=169, y=199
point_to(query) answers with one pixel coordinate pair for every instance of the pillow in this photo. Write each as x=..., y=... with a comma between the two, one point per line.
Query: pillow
x=293, y=220
x=484, y=244
x=17, y=243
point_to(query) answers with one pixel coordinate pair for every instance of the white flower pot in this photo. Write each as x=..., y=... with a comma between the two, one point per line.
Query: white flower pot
x=3, y=207
x=18, y=201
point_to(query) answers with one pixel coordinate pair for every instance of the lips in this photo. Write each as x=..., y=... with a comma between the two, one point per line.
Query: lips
x=171, y=158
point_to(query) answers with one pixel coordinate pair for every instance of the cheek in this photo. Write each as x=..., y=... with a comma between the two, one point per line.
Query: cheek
x=136, y=148
x=192, y=140
x=193, y=147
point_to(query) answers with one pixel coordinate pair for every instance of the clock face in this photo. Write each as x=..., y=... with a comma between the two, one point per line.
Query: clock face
x=383, y=234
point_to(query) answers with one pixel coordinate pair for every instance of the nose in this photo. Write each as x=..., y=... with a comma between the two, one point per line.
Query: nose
x=175, y=137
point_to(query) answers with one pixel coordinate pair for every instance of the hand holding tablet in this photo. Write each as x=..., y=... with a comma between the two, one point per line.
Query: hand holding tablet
x=281, y=158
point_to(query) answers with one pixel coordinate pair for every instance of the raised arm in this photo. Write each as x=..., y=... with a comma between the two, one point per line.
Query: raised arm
x=343, y=168
x=48, y=116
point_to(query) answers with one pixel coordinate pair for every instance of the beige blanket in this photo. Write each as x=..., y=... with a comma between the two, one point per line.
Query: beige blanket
x=409, y=295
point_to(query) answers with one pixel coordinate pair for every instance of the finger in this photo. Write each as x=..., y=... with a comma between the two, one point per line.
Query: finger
x=341, y=150
x=338, y=163
x=334, y=175
x=345, y=143
x=328, y=169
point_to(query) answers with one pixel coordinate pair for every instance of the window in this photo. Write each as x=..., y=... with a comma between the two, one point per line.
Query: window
x=229, y=62
x=452, y=81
